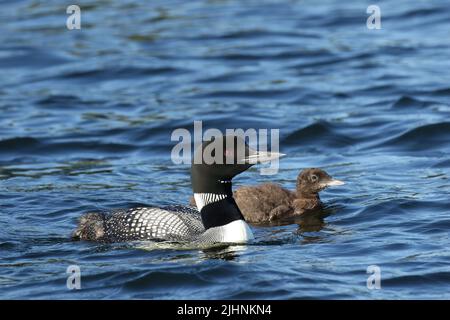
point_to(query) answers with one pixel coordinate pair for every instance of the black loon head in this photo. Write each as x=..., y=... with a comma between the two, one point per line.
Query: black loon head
x=313, y=180
x=218, y=161
x=215, y=163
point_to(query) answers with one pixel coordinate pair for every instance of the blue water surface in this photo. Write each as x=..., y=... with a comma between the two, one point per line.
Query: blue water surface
x=86, y=122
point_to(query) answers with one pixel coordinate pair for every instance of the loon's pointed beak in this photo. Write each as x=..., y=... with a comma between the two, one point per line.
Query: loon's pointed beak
x=334, y=182
x=262, y=156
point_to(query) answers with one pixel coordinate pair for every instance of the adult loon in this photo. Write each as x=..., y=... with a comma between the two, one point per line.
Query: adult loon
x=270, y=201
x=218, y=218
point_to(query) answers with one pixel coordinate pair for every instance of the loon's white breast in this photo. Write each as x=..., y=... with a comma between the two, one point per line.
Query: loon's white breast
x=237, y=231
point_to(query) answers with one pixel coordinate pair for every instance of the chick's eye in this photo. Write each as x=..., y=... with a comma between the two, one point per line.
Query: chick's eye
x=314, y=178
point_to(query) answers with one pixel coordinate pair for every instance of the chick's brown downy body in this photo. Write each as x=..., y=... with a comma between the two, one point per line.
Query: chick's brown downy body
x=270, y=201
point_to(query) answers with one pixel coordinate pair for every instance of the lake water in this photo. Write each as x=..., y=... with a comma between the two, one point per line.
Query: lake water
x=87, y=115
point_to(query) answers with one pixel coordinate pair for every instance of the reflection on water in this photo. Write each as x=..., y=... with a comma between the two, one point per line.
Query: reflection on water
x=227, y=253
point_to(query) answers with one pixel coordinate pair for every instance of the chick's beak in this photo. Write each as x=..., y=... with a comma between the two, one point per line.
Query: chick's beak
x=334, y=182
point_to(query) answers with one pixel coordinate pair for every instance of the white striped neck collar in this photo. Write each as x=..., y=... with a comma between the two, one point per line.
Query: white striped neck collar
x=203, y=199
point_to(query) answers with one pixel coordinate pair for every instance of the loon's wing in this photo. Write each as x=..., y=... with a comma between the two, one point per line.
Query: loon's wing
x=173, y=223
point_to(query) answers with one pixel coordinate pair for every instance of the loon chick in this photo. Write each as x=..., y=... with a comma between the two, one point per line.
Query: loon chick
x=218, y=218
x=270, y=201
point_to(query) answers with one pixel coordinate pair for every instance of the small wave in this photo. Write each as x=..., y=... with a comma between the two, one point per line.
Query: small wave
x=32, y=146
x=164, y=279
x=441, y=92
x=442, y=164
x=291, y=54
x=258, y=95
x=434, y=227
x=407, y=101
x=319, y=133
x=426, y=137
x=19, y=143
x=229, y=77
x=29, y=57
x=422, y=12
x=114, y=73
x=62, y=101
x=430, y=279
x=254, y=34
x=393, y=210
